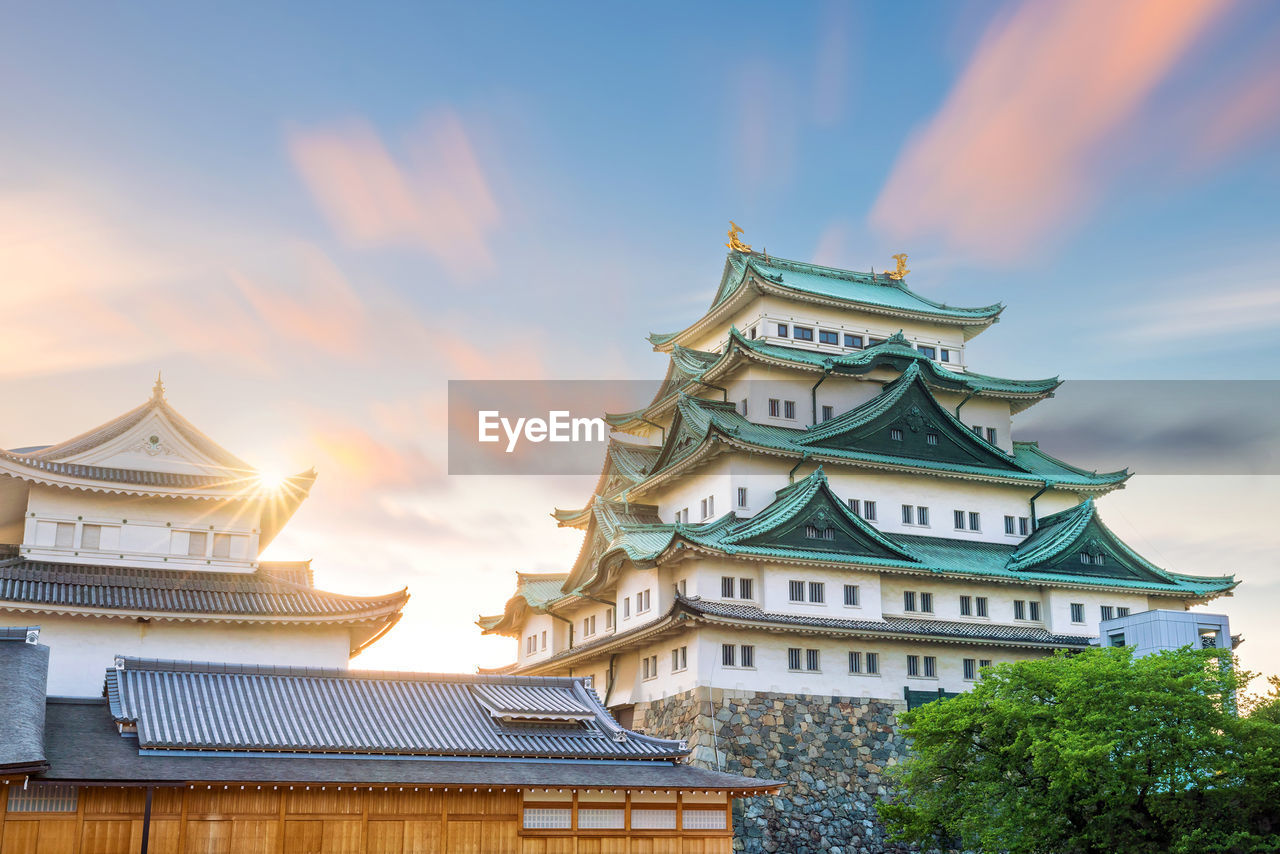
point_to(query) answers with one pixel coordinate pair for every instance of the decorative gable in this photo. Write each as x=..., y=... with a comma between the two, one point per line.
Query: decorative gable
x=1076, y=542
x=807, y=516
x=906, y=421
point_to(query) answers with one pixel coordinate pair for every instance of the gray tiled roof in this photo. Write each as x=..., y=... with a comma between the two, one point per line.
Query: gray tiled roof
x=212, y=594
x=892, y=625
x=200, y=706
x=24, y=671
x=84, y=746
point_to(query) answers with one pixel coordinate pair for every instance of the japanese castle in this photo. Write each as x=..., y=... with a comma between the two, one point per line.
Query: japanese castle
x=822, y=517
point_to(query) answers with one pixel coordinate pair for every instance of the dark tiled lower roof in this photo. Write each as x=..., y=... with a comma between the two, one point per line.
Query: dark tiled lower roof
x=24, y=671
x=892, y=625
x=262, y=594
x=200, y=706
x=84, y=746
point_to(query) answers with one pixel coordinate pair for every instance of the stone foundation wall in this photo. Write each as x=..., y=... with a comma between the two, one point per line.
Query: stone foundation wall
x=831, y=751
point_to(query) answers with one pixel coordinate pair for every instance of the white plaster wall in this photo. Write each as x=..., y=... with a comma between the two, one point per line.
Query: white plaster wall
x=146, y=528
x=557, y=637
x=81, y=649
x=1059, y=601
x=711, y=480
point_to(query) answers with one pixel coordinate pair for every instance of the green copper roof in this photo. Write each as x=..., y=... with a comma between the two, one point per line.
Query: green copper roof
x=806, y=521
x=533, y=591
x=929, y=438
x=832, y=283
x=688, y=366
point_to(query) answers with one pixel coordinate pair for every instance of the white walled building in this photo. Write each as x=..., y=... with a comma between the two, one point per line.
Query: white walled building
x=823, y=499
x=141, y=537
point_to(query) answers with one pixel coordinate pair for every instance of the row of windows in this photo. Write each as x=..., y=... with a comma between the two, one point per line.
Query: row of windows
x=743, y=587
x=863, y=507
x=912, y=515
x=911, y=601
x=708, y=507
x=96, y=537
x=643, y=602
x=973, y=519
x=1107, y=612
x=991, y=433
x=614, y=817
x=851, y=340
x=740, y=655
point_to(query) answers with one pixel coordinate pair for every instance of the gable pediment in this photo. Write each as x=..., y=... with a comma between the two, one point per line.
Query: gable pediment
x=905, y=420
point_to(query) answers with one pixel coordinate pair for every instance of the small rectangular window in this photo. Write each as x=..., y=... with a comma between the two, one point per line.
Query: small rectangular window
x=548, y=818
x=91, y=537
x=873, y=663
x=984, y=662
x=43, y=797
x=682, y=586
x=1008, y=525
x=626, y=607
x=874, y=342
x=853, y=341
x=530, y=645
x=742, y=496
x=855, y=662
x=775, y=408
x=931, y=438
x=753, y=332
x=945, y=355
x=856, y=506
x=608, y=618
x=869, y=511
x=1033, y=609
x=970, y=669
x=795, y=591
x=748, y=655
x=851, y=595
x=811, y=660
x=959, y=518
x=679, y=658
x=728, y=655
x=789, y=409
x=1108, y=612
x=913, y=665
x=828, y=412
x=817, y=591
x=196, y=543
x=1077, y=612
x=222, y=545
x=895, y=434
x=1023, y=525
x=793, y=658
x=991, y=435
x=908, y=514
x=930, y=666
x=825, y=337
x=975, y=521
x=745, y=589
x=544, y=638
x=926, y=602
x=981, y=603
x=966, y=606
x=704, y=508
x=1117, y=640
x=802, y=333
x=602, y=818
x=922, y=516
x=64, y=535
x=782, y=330
x=927, y=352
x=1019, y=609
x=727, y=586
x=976, y=429
x=642, y=601
x=1122, y=612
x=742, y=407
x=908, y=600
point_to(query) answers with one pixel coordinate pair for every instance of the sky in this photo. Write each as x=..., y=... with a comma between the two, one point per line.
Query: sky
x=312, y=216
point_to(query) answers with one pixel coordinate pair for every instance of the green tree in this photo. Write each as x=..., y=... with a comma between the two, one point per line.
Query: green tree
x=1095, y=752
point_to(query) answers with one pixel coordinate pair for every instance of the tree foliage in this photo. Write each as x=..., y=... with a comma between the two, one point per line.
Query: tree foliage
x=1096, y=752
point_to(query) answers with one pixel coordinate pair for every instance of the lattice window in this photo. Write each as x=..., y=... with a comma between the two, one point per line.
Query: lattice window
x=653, y=819
x=548, y=818
x=43, y=797
x=704, y=819
x=594, y=818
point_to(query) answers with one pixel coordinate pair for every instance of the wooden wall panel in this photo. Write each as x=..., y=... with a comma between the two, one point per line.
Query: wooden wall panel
x=164, y=835
x=303, y=837
x=108, y=836
x=481, y=837
x=20, y=837
x=422, y=837
x=220, y=802
x=106, y=800
x=405, y=803
x=254, y=835
x=208, y=836
x=482, y=803
x=342, y=837
x=385, y=836
x=58, y=836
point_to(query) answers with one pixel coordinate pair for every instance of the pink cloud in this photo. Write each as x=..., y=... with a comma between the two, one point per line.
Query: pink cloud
x=436, y=198
x=1012, y=153
x=1226, y=124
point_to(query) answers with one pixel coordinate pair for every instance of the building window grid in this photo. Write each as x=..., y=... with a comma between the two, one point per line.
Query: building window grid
x=851, y=596
x=980, y=603
x=742, y=496
x=930, y=667
x=966, y=606
x=1077, y=612
x=913, y=665
x=745, y=588
x=817, y=592
x=970, y=669
x=873, y=663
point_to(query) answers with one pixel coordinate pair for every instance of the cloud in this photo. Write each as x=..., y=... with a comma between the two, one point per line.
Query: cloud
x=1012, y=152
x=764, y=140
x=1230, y=121
x=436, y=198
x=831, y=63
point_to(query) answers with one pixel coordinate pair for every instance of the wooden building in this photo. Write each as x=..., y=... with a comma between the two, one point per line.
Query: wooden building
x=193, y=757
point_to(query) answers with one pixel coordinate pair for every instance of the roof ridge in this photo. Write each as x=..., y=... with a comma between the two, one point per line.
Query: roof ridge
x=136, y=664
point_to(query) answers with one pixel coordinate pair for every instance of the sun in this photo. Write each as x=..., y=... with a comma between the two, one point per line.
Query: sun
x=271, y=480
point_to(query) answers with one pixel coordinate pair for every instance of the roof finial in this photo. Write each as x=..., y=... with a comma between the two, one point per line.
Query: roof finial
x=901, y=273
x=157, y=390
x=734, y=243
